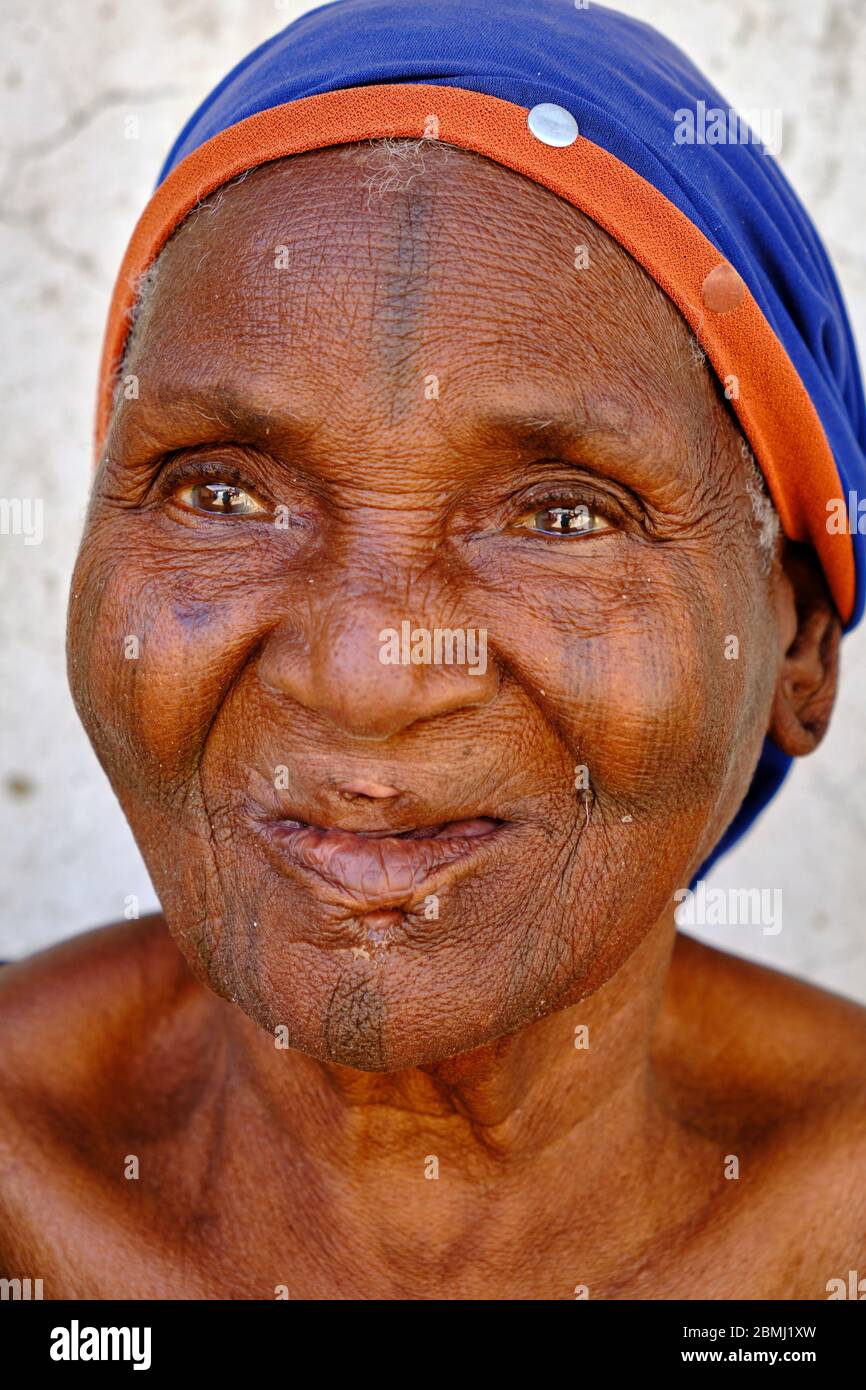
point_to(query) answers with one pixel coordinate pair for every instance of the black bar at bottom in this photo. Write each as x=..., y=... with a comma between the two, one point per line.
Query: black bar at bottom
x=68, y=1338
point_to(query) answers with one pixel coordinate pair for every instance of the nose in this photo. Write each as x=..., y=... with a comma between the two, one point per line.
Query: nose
x=348, y=666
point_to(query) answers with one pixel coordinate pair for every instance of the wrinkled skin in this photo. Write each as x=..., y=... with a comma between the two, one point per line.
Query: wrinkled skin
x=259, y=646
x=415, y=1036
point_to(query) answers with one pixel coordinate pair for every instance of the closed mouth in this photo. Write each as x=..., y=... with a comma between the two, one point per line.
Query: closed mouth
x=380, y=868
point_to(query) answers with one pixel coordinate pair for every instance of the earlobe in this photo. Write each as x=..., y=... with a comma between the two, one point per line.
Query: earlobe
x=806, y=685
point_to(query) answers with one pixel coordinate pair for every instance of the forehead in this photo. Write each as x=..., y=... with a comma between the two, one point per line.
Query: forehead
x=356, y=272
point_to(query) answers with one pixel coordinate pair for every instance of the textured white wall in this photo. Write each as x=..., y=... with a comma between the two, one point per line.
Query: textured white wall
x=73, y=183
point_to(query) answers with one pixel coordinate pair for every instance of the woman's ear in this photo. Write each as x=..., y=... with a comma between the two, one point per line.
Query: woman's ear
x=806, y=685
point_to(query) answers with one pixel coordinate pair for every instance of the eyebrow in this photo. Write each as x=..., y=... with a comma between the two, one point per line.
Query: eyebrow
x=169, y=409
x=617, y=438
x=608, y=436
x=227, y=406
x=551, y=424
x=612, y=438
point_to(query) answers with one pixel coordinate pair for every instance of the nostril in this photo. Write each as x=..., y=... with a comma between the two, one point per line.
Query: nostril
x=377, y=791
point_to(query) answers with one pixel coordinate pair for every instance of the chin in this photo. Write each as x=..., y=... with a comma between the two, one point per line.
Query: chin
x=381, y=995
x=488, y=944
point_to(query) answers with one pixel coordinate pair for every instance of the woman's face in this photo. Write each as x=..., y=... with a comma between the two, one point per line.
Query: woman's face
x=414, y=395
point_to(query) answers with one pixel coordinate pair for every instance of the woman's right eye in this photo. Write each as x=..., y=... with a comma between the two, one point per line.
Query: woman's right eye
x=219, y=499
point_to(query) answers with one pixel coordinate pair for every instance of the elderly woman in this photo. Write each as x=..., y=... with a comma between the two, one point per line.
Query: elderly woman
x=457, y=583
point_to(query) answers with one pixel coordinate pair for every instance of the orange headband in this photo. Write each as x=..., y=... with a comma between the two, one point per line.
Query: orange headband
x=772, y=404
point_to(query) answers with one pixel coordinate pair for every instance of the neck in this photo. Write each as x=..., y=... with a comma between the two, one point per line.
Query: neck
x=550, y=1154
x=508, y=1100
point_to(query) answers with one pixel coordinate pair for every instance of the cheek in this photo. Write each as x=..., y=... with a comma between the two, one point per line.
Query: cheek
x=150, y=662
x=656, y=678
x=622, y=669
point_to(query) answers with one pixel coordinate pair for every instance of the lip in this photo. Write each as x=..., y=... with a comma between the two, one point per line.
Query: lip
x=381, y=868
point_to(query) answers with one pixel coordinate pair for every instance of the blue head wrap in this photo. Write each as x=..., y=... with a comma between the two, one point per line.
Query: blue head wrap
x=625, y=85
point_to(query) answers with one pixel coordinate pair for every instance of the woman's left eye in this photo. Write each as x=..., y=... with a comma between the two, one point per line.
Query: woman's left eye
x=563, y=521
x=220, y=499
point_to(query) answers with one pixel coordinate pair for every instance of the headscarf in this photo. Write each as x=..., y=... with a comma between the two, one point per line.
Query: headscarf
x=612, y=117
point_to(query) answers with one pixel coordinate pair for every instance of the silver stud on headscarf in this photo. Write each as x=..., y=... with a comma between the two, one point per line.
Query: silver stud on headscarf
x=552, y=124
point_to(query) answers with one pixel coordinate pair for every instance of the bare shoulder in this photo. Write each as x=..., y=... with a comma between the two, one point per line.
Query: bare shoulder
x=775, y=1069
x=84, y=1022
x=106, y=1049
x=745, y=1031
x=82, y=961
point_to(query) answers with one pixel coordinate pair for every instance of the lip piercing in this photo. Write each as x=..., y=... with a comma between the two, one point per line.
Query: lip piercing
x=378, y=791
